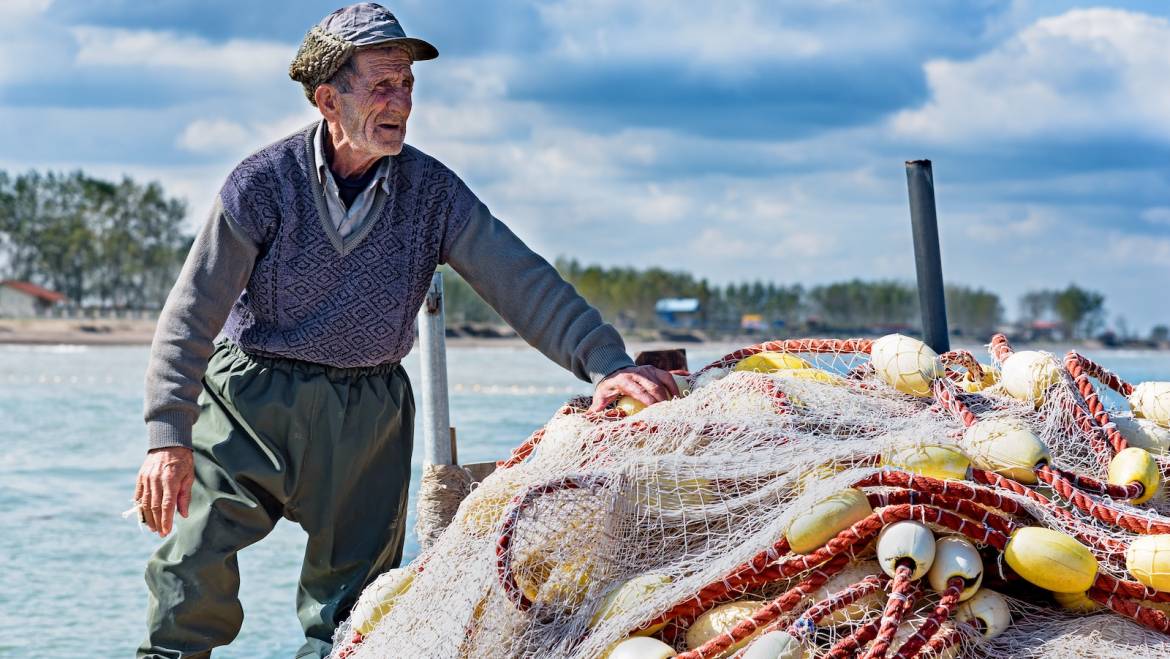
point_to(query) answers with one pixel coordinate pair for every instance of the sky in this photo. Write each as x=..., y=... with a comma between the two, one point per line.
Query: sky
x=738, y=141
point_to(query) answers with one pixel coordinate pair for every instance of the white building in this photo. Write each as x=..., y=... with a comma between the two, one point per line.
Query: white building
x=20, y=299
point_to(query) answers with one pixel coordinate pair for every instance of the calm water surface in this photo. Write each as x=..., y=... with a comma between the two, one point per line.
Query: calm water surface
x=71, y=441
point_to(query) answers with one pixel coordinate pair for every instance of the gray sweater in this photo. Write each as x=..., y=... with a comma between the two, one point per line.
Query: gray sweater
x=270, y=269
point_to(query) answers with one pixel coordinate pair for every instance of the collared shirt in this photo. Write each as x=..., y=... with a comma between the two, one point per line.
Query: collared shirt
x=346, y=220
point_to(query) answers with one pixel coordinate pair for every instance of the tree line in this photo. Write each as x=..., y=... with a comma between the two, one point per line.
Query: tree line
x=120, y=244
x=627, y=297
x=111, y=244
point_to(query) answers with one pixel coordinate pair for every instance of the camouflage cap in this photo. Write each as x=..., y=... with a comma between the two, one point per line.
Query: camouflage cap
x=330, y=43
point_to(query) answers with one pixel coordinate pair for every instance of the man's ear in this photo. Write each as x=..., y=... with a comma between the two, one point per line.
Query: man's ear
x=327, y=101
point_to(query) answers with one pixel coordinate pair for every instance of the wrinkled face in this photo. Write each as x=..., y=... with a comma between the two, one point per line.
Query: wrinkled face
x=373, y=112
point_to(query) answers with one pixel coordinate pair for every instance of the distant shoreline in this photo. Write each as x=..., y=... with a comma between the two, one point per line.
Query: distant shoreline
x=126, y=332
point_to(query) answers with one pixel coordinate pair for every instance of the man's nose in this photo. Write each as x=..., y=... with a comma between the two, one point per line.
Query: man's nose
x=400, y=101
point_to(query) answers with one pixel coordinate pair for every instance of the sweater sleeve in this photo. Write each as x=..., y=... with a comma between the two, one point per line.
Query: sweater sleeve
x=216, y=270
x=533, y=298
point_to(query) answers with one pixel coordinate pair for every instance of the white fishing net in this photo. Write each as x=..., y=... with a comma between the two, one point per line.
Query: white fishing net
x=611, y=523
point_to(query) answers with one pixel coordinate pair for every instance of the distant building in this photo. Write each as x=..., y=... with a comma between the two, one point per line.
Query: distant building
x=678, y=311
x=1046, y=330
x=21, y=299
x=752, y=322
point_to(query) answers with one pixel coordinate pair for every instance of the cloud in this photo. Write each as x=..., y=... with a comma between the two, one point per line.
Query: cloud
x=233, y=139
x=28, y=42
x=999, y=230
x=1158, y=216
x=238, y=59
x=1082, y=75
x=15, y=10
x=213, y=136
x=669, y=29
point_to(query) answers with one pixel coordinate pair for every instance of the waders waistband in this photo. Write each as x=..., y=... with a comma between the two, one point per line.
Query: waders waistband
x=289, y=364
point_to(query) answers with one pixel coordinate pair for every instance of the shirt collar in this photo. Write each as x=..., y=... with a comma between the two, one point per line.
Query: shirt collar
x=325, y=175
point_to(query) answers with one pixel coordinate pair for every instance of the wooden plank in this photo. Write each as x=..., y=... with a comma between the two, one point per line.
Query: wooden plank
x=674, y=359
x=480, y=470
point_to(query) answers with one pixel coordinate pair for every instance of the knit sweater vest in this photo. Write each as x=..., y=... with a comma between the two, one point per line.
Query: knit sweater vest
x=315, y=297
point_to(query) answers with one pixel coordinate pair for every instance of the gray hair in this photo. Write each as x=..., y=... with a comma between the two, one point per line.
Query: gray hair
x=325, y=59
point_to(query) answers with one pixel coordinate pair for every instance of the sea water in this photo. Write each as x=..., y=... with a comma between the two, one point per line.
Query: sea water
x=71, y=442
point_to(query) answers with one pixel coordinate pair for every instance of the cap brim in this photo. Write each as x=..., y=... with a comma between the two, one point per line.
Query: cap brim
x=419, y=49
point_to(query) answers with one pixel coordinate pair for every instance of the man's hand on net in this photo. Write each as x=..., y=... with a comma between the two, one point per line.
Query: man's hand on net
x=646, y=384
x=164, y=483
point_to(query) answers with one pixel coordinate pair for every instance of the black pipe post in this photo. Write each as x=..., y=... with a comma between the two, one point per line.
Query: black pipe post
x=924, y=223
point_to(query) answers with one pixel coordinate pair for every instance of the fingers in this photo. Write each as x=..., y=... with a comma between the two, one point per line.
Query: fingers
x=169, y=485
x=601, y=400
x=653, y=388
x=667, y=380
x=185, y=494
x=148, y=503
x=646, y=384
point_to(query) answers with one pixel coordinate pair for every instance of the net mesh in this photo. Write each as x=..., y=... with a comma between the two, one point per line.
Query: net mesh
x=615, y=525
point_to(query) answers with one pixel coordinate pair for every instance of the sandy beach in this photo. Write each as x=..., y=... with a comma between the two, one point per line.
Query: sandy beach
x=77, y=331
x=115, y=332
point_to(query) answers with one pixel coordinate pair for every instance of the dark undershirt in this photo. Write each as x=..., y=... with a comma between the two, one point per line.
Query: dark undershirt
x=350, y=188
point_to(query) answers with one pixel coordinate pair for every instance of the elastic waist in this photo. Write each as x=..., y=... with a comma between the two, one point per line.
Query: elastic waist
x=289, y=364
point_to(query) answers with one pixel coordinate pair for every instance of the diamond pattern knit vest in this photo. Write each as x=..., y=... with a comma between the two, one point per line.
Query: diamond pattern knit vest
x=317, y=298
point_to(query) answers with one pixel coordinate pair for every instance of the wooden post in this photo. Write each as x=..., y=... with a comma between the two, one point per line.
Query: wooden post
x=928, y=263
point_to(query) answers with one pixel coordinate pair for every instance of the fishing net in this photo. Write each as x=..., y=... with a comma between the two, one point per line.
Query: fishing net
x=794, y=503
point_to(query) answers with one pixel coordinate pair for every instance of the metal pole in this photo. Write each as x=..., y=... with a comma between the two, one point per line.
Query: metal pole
x=924, y=221
x=432, y=341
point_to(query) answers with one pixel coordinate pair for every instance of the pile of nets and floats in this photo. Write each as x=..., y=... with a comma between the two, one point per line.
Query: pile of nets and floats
x=812, y=498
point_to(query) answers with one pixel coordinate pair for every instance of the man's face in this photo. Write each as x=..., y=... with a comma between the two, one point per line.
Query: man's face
x=375, y=109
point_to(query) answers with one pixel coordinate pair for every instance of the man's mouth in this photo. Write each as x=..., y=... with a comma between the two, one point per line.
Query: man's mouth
x=390, y=126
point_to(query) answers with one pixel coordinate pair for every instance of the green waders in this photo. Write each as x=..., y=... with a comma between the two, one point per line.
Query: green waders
x=326, y=447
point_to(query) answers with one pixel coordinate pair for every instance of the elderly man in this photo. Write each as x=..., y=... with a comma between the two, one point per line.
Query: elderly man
x=313, y=264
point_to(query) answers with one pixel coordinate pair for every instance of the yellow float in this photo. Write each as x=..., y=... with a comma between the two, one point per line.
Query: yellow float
x=973, y=386
x=1027, y=375
x=770, y=362
x=811, y=374
x=719, y=621
x=906, y=364
x=480, y=511
x=547, y=582
x=1051, y=560
x=775, y=645
x=1076, y=602
x=1143, y=433
x=1151, y=400
x=629, y=595
x=632, y=406
x=640, y=647
x=379, y=597
x=826, y=518
x=941, y=462
x=1148, y=560
x=1135, y=465
x=1007, y=447
x=860, y=608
